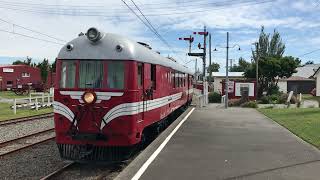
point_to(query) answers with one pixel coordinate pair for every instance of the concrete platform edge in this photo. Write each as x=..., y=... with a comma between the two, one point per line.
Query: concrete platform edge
x=135, y=165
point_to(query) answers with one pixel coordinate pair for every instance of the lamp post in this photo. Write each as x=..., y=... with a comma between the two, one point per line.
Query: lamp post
x=227, y=70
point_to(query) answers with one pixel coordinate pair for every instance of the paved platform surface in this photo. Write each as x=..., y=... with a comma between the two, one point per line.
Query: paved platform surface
x=236, y=143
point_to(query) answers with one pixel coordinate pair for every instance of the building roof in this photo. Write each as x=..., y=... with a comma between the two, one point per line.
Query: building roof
x=10, y=65
x=106, y=48
x=298, y=78
x=306, y=71
x=230, y=74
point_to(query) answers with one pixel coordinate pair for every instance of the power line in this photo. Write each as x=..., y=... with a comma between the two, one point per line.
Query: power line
x=153, y=29
x=104, y=9
x=30, y=37
x=102, y=14
x=17, y=25
x=308, y=53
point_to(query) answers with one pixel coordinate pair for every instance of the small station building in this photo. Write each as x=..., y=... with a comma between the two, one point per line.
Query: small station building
x=13, y=75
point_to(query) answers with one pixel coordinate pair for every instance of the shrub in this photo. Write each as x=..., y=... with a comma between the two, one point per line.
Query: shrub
x=273, y=89
x=293, y=100
x=234, y=102
x=264, y=100
x=214, y=97
x=250, y=104
x=283, y=99
x=273, y=98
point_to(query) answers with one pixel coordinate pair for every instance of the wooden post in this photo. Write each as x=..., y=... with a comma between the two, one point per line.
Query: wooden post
x=15, y=106
x=48, y=99
x=42, y=98
x=37, y=104
x=30, y=98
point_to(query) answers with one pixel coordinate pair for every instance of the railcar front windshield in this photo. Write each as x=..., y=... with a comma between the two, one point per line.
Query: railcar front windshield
x=92, y=74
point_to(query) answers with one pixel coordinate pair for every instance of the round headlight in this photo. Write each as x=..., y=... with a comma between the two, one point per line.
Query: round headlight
x=89, y=97
x=93, y=34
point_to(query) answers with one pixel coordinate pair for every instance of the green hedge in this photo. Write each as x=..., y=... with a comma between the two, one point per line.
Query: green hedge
x=214, y=97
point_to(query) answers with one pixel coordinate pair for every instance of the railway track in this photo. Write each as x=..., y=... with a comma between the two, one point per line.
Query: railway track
x=58, y=171
x=23, y=142
x=24, y=119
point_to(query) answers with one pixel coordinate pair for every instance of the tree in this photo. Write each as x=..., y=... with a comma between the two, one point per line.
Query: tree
x=53, y=66
x=309, y=62
x=27, y=62
x=266, y=47
x=271, y=69
x=242, y=67
x=272, y=66
x=214, y=67
x=44, y=67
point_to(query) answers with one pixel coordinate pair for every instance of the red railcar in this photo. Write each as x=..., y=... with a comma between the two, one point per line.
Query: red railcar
x=111, y=93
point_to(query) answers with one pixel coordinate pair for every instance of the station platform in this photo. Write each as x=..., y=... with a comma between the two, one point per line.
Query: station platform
x=234, y=143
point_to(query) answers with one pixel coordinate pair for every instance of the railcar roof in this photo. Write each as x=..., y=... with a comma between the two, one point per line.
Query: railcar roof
x=105, y=48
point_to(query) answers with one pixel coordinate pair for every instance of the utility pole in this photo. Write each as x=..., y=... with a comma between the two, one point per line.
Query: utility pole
x=204, y=52
x=257, y=75
x=227, y=73
x=195, y=70
x=210, y=54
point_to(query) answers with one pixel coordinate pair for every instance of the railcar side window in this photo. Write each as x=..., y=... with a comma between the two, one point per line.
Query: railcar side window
x=153, y=76
x=68, y=74
x=140, y=75
x=115, y=75
x=91, y=74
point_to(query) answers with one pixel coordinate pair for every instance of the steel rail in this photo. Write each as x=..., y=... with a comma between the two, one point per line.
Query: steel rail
x=17, y=140
x=24, y=119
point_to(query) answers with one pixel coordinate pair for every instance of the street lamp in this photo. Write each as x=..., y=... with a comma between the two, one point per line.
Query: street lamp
x=227, y=68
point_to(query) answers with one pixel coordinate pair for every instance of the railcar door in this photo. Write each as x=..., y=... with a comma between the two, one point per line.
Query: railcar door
x=141, y=92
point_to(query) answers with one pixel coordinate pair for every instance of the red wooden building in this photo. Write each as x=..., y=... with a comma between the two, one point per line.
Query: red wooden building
x=13, y=75
x=235, y=89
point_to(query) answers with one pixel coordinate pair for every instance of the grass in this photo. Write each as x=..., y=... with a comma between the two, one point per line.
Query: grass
x=11, y=95
x=305, y=123
x=310, y=97
x=7, y=113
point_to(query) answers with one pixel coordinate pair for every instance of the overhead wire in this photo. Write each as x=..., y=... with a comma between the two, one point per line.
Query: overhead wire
x=307, y=53
x=75, y=12
x=32, y=37
x=104, y=9
x=31, y=30
x=147, y=23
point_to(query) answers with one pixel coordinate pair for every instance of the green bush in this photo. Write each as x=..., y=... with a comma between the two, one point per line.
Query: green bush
x=273, y=89
x=283, y=99
x=214, y=97
x=264, y=100
x=250, y=104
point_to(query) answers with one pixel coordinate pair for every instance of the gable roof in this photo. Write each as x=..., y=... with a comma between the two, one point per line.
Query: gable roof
x=306, y=71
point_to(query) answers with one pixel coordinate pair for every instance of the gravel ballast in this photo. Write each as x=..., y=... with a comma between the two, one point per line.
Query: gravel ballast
x=31, y=163
x=13, y=131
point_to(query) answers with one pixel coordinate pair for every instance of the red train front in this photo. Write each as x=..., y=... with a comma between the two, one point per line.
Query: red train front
x=109, y=92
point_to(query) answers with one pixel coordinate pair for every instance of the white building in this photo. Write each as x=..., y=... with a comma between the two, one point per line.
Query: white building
x=218, y=77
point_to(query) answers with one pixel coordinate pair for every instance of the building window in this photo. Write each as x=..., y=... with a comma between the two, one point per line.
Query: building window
x=9, y=83
x=25, y=74
x=115, y=75
x=68, y=74
x=140, y=70
x=91, y=74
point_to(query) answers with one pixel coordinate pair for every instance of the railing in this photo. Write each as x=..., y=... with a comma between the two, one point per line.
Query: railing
x=45, y=101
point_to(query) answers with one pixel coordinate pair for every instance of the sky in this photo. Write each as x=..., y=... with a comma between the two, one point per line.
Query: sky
x=56, y=22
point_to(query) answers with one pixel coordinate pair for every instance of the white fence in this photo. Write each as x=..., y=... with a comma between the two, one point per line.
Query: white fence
x=34, y=101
